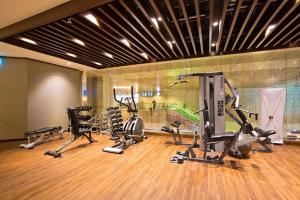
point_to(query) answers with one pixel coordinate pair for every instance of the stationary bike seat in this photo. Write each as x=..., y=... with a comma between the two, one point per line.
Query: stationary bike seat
x=167, y=129
x=263, y=133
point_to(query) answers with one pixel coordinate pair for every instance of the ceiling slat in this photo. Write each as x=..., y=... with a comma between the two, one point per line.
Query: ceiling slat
x=282, y=29
x=236, y=14
x=60, y=51
x=177, y=26
x=221, y=24
x=166, y=26
x=56, y=38
x=117, y=40
x=196, y=2
x=101, y=45
x=157, y=30
x=146, y=49
x=187, y=23
x=48, y=16
x=211, y=15
x=244, y=23
x=143, y=26
x=287, y=34
x=255, y=23
x=165, y=30
x=65, y=49
x=267, y=24
x=297, y=41
x=100, y=48
x=136, y=30
x=277, y=24
x=290, y=39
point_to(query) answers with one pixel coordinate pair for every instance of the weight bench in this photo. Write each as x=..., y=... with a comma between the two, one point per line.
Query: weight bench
x=41, y=136
x=264, y=142
x=79, y=127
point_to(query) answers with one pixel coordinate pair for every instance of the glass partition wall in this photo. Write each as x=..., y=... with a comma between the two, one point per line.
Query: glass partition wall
x=159, y=104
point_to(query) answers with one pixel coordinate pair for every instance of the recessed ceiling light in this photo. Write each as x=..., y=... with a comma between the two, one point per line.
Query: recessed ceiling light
x=144, y=55
x=159, y=19
x=78, y=41
x=170, y=44
x=173, y=42
x=28, y=40
x=69, y=63
x=124, y=41
x=91, y=18
x=269, y=29
x=97, y=63
x=108, y=55
x=154, y=20
x=72, y=55
x=215, y=24
x=213, y=44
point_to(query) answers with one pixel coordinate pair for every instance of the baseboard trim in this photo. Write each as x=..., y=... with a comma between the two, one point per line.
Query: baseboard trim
x=13, y=140
x=289, y=142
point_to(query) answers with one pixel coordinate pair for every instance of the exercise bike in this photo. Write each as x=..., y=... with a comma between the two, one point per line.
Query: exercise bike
x=133, y=130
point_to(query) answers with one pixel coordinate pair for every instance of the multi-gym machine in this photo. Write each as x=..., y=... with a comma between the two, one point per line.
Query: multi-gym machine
x=212, y=93
x=212, y=127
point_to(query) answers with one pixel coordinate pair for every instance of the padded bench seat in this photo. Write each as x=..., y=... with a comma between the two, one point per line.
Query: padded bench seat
x=263, y=133
x=167, y=129
x=42, y=130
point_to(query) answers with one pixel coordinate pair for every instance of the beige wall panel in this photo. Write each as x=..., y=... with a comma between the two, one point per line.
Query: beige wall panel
x=13, y=98
x=51, y=90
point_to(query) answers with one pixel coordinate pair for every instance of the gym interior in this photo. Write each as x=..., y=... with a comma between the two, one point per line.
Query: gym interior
x=150, y=99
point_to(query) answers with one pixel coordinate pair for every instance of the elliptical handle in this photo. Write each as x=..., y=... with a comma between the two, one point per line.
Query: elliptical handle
x=132, y=98
x=115, y=97
x=119, y=101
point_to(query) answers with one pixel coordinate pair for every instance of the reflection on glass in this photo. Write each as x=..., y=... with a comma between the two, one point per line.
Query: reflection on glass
x=159, y=104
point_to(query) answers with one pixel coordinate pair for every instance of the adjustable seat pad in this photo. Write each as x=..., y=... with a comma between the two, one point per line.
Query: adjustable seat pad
x=263, y=133
x=222, y=137
x=167, y=129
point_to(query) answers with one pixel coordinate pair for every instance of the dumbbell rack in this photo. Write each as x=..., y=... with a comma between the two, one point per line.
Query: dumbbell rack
x=104, y=122
x=116, y=120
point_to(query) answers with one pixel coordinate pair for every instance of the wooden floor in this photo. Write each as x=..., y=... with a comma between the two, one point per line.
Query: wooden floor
x=144, y=172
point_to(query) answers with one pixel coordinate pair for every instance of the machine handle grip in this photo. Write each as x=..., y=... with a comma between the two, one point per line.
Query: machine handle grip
x=255, y=114
x=199, y=111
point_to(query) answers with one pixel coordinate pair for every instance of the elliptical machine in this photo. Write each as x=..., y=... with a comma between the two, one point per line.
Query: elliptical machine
x=133, y=130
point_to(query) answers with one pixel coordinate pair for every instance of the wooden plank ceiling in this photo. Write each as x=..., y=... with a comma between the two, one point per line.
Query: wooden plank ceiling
x=126, y=32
